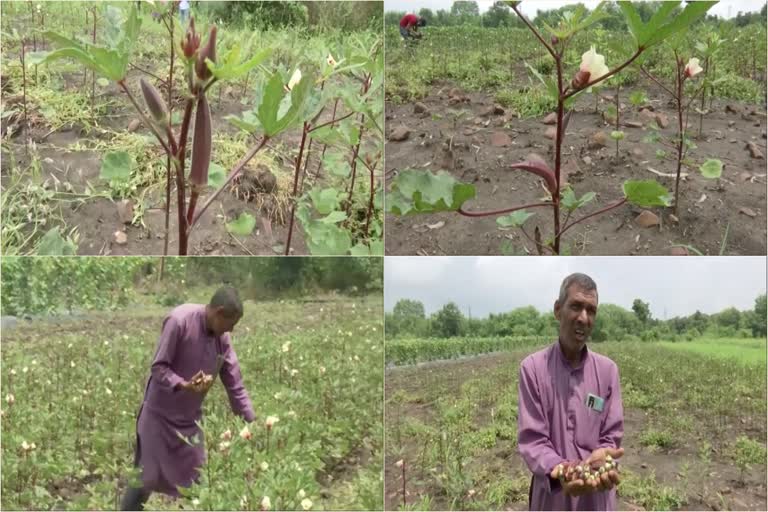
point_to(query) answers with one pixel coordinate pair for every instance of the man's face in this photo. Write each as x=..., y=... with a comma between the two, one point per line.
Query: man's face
x=576, y=316
x=222, y=321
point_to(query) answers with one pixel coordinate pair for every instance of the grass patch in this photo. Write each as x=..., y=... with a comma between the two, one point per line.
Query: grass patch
x=747, y=351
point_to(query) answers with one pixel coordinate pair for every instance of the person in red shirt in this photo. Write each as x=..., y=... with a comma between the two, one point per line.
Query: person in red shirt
x=409, y=25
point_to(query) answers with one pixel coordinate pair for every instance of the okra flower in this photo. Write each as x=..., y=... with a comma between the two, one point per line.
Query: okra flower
x=266, y=504
x=592, y=66
x=302, y=494
x=692, y=68
x=295, y=79
x=306, y=504
x=331, y=61
x=270, y=422
x=399, y=463
x=226, y=435
x=287, y=346
x=264, y=466
x=10, y=398
x=246, y=433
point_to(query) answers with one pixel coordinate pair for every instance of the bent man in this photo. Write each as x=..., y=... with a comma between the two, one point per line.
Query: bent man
x=570, y=409
x=194, y=347
x=409, y=26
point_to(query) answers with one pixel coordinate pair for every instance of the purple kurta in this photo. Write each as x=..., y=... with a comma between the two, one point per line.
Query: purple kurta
x=555, y=424
x=185, y=347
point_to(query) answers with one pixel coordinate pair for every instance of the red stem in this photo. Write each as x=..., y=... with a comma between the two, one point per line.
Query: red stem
x=558, y=150
x=331, y=121
x=322, y=155
x=679, y=99
x=598, y=212
x=296, y=187
x=172, y=141
x=535, y=32
x=371, y=169
x=465, y=213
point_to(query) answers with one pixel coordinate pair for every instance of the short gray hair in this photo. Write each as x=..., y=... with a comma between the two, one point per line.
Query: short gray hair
x=582, y=280
x=228, y=299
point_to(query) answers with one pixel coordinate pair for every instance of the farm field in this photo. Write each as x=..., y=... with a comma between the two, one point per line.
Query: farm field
x=473, y=101
x=298, y=169
x=692, y=422
x=72, y=385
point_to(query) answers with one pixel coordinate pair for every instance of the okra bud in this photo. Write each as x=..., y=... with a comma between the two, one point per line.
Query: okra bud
x=201, y=148
x=206, y=52
x=154, y=102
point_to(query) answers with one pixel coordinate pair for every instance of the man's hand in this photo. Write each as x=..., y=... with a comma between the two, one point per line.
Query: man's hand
x=199, y=383
x=576, y=487
x=610, y=478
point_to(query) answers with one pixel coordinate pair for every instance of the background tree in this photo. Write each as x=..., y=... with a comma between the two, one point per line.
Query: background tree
x=447, y=322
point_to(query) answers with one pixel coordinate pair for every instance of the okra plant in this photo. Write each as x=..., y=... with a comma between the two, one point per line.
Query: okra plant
x=418, y=191
x=285, y=99
x=684, y=71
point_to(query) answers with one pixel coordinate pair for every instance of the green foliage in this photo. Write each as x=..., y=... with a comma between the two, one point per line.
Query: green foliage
x=447, y=321
x=646, y=193
x=416, y=191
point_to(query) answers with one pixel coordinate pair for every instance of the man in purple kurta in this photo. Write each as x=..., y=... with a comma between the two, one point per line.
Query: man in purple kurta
x=195, y=337
x=570, y=408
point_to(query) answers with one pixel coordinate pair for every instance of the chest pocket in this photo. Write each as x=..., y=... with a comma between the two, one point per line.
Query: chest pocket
x=588, y=423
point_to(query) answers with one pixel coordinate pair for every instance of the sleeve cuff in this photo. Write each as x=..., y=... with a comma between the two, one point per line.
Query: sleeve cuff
x=249, y=415
x=175, y=381
x=553, y=485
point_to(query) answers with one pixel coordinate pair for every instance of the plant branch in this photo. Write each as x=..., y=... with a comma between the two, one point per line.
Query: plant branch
x=646, y=73
x=611, y=206
x=234, y=173
x=605, y=76
x=331, y=122
x=535, y=32
x=144, y=118
x=465, y=213
x=165, y=82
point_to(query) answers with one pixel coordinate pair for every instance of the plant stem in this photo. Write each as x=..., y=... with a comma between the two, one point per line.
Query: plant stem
x=371, y=168
x=234, y=173
x=144, y=118
x=657, y=81
x=558, y=149
x=618, y=88
x=465, y=213
x=93, y=75
x=356, y=151
x=24, y=93
x=679, y=98
x=404, y=502
x=332, y=121
x=296, y=187
x=148, y=72
x=535, y=32
x=325, y=146
x=168, y=163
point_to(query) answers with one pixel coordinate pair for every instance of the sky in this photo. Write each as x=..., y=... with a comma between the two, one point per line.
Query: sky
x=674, y=285
x=529, y=7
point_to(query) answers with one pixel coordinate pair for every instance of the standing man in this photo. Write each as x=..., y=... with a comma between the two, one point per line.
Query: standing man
x=183, y=10
x=409, y=26
x=570, y=408
x=194, y=347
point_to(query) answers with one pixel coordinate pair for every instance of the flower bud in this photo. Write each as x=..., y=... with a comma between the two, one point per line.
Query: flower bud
x=154, y=102
x=201, y=147
x=554, y=40
x=592, y=66
x=206, y=52
x=191, y=41
x=580, y=79
x=295, y=79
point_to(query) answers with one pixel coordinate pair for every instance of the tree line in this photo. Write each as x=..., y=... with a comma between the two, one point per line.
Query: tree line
x=613, y=323
x=500, y=15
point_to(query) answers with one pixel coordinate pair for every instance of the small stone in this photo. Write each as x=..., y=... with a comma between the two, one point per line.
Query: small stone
x=674, y=218
x=637, y=152
x=754, y=150
x=731, y=123
x=647, y=116
x=420, y=108
x=587, y=160
x=756, y=124
x=662, y=120
x=764, y=134
x=498, y=110
x=597, y=140
x=125, y=211
x=732, y=109
x=550, y=119
x=120, y=237
x=134, y=125
x=400, y=133
x=647, y=219
x=633, y=124
x=677, y=251
x=749, y=212
x=500, y=139
x=551, y=132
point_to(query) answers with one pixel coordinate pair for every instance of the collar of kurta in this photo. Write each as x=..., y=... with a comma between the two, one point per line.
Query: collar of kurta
x=204, y=321
x=564, y=360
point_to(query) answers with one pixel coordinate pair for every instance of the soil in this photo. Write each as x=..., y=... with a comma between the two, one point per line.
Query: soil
x=97, y=218
x=705, y=487
x=482, y=145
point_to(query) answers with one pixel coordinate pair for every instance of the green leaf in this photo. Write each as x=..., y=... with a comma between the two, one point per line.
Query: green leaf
x=248, y=123
x=116, y=166
x=217, y=175
x=35, y=58
x=227, y=68
x=418, y=191
x=243, y=225
x=334, y=217
x=634, y=22
x=275, y=115
x=327, y=239
x=360, y=250
x=325, y=200
x=646, y=194
x=617, y=135
x=549, y=82
x=692, y=12
x=103, y=82
x=53, y=244
x=336, y=163
x=514, y=219
x=712, y=168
